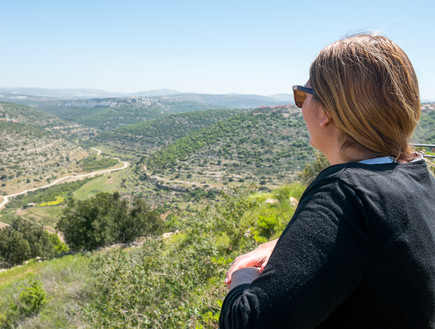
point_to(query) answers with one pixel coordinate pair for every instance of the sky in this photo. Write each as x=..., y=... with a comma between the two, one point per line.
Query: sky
x=226, y=46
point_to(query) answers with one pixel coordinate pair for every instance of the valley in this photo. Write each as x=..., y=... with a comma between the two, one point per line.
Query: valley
x=216, y=181
x=176, y=147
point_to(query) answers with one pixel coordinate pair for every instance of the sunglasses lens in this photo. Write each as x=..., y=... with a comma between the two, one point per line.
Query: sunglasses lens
x=299, y=97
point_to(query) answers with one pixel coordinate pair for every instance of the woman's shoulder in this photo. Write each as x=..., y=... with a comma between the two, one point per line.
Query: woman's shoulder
x=355, y=173
x=393, y=180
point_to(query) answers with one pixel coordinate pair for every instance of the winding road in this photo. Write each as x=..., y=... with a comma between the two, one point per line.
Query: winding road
x=74, y=177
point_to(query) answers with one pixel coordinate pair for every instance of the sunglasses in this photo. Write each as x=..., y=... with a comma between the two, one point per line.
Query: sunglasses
x=300, y=94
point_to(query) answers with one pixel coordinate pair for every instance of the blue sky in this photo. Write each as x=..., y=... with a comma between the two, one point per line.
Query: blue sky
x=259, y=47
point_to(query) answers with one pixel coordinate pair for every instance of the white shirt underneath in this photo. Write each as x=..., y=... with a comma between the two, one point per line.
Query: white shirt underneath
x=387, y=159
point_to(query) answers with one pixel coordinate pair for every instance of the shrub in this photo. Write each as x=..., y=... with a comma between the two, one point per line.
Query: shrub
x=28, y=300
x=175, y=283
x=311, y=171
x=106, y=219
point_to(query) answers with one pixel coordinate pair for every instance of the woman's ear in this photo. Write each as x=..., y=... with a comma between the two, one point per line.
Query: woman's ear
x=325, y=120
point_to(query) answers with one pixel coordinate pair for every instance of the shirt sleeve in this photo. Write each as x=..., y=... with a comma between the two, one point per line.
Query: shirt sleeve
x=319, y=260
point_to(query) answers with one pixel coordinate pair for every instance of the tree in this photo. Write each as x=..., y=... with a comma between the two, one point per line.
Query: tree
x=22, y=240
x=140, y=220
x=106, y=219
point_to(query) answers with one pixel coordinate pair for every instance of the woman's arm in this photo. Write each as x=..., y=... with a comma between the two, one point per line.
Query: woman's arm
x=317, y=263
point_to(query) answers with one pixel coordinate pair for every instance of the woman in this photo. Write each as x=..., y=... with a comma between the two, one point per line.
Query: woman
x=359, y=251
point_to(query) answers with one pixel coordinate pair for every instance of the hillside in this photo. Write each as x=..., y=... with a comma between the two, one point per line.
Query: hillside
x=145, y=137
x=169, y=281
x=114, y=112
x=267, y=144
x=41, y=119
x=173, y=280
x=425, y=131
x=30, y=156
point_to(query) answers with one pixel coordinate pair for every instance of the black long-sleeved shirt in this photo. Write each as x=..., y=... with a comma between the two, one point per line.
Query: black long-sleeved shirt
x=359, y=252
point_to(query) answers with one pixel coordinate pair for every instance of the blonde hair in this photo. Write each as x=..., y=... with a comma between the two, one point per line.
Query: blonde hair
x=369, y=88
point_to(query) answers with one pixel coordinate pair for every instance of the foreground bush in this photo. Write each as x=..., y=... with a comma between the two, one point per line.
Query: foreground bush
x=106, y=219
x=177, y=282
x=29, y=299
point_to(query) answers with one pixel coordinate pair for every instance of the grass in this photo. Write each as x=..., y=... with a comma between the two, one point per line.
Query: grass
x=58, y=200
x=70, y=285
x=103, y=183
x=6, y=216
x=66, y=281
x=48, y=216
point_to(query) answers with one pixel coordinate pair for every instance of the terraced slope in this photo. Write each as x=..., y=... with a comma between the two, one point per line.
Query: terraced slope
x=35, y=117
x=148, y=136
x=30, y=155
x=269, y=142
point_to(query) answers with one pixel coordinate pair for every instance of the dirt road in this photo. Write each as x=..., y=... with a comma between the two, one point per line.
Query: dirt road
x=71, y=177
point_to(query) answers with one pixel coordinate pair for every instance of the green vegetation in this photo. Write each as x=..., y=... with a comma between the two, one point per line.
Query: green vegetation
x=111, y=113
x=105, y=118
x=28, y=153
x=311, y=170
x=106, y=219
x=180, y=280
x=102, y=183
x=425, y=132
x=148, y=135
x=43, y=120
x=23, y=240
x=265, y=142
x=29, y=300
x=93, y=163
x=47, y=194
x=194, y=160
x=173, y=282
x=66, y=281
x=47, y=216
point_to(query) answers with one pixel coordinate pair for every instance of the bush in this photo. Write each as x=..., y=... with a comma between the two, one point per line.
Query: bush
x=174, y=283
x=28, y=301
x=106, y=219
x=311, y=171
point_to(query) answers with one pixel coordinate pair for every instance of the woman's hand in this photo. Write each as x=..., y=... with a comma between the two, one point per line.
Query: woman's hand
x=256, y=258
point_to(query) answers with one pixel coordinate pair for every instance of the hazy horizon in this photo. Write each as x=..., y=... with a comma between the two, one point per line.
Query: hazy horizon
x=243, y=47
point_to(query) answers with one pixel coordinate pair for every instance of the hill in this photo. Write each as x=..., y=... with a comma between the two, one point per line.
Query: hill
x=111, y=113
x=30, y=155
x=270, y=144
x=42, y=119
x=266, y=142
x=148, y=136
x=169, y=281
x=29, y=95
x=425, y=131
x=236, y=101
